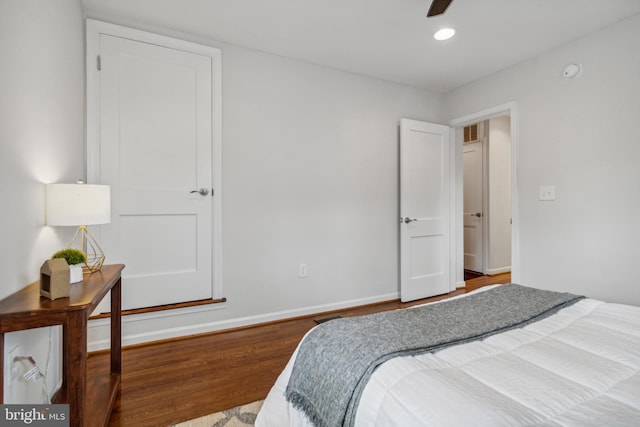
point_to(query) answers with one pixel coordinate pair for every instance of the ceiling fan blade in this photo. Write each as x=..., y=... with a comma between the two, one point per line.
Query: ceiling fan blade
x=438, y=7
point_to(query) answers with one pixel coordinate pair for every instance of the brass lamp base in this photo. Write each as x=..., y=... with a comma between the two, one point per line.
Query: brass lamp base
x=91, y=249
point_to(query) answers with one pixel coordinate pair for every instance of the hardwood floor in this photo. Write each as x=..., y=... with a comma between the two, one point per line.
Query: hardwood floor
x=173, y=381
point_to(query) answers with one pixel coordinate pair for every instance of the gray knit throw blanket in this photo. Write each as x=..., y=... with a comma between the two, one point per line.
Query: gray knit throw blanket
x=337, y=358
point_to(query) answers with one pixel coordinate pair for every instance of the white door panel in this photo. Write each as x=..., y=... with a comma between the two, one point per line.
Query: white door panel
x=424, y=205
x=473, y=212
x=156, y=139
x=426, y=256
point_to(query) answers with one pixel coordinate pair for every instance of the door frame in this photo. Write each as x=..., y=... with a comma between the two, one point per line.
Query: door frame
x=93, y=30
x=457, y=125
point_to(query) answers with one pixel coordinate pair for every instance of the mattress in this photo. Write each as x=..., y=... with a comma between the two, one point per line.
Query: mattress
x=579, y=367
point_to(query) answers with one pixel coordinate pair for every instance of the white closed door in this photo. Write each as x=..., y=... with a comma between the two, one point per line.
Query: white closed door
x=425, y=268
x=473, y=213
x=155, y=150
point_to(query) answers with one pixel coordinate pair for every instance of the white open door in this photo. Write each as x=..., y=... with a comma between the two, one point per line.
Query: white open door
x=155, y=147
x=425, y=268
x=473, y=200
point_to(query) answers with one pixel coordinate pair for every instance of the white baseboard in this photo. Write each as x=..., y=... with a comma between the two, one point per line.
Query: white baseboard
x=148, y=327
x=494, y=271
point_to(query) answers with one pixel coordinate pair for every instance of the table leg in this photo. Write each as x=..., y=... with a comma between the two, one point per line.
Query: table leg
x=116, y=328
x=75, y=365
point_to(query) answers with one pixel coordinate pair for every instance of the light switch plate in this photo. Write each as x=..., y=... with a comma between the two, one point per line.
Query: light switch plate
x=302, y=270
x=547, y=192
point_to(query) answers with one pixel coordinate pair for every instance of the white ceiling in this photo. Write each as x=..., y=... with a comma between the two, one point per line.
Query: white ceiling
x=386, y=39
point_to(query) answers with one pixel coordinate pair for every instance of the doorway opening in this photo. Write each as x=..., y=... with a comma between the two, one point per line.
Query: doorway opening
x=485, y=201
x=487, y=196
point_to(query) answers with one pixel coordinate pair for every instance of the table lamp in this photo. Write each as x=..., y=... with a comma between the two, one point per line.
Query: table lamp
x=80, y=205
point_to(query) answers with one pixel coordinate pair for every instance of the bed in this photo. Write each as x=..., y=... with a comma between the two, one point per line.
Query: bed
x=575, y=365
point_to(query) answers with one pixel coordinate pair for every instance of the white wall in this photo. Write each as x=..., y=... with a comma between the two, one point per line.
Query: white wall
x=499, y=160
x=41, y=140
x=580, y=135
x=310, y=176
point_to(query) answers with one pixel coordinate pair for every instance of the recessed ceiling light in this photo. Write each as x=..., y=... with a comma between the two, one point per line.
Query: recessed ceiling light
x=444, y=34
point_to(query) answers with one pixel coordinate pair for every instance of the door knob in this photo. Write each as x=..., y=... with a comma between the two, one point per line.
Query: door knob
x=203, y=191
x=478, y=214
x=407, y=220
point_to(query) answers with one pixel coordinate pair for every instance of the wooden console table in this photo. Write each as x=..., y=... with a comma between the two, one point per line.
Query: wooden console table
x=90, y=399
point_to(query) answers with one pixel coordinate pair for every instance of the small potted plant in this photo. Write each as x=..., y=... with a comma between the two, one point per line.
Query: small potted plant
x=75, y=258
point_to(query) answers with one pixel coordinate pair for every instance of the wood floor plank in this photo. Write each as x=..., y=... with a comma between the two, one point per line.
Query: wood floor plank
x=177, y=380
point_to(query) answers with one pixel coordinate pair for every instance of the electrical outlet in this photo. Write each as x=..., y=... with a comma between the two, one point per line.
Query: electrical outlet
x=547, y=192
x=302, y=270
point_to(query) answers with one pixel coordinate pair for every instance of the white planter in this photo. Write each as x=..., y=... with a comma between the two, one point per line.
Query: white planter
x=75, y=273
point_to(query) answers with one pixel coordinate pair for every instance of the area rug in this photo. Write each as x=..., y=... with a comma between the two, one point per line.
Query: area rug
x=240, y=416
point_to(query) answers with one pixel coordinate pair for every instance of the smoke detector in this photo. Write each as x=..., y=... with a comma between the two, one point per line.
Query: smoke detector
x=572, y=71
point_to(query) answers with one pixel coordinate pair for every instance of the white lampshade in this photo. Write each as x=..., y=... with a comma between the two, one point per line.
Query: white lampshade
x=78, y=204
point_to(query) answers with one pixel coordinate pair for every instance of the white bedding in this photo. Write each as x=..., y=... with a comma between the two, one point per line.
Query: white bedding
x=579, y=367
